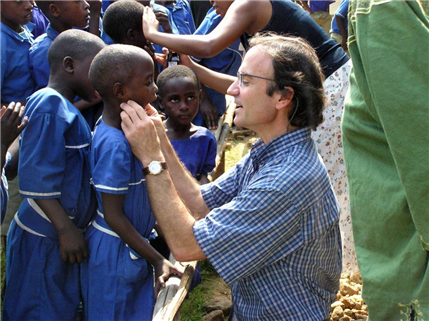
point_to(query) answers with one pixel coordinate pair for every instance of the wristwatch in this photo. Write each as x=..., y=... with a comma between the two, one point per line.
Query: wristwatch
x=154, y=168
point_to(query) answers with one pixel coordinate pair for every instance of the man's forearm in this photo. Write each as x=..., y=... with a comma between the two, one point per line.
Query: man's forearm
x=188, y=189
x=174, y=218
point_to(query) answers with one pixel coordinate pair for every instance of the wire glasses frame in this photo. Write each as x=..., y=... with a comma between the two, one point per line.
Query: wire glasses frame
x=240, y=76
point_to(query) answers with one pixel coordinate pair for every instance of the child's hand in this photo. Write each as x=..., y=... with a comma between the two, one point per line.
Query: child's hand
x=209, y=113
x=11, y=125
x=162, y=18
x=73, y=246
x=150, y=23
x=95, y=6
x=163, y=270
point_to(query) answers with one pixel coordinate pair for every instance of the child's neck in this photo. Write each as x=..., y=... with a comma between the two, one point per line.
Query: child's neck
x=111, y=115
x=62, y=88
x=14, y=26
x=179, y=131
x=59, y=26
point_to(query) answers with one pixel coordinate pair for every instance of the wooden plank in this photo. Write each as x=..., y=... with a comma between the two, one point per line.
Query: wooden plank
x=171, y=298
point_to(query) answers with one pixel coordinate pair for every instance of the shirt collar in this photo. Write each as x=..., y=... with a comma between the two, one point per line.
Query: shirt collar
x=51, y=32
x=261, y=152
x=23, y=36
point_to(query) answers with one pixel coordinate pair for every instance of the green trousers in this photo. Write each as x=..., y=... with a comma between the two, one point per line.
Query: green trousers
x=386, y=147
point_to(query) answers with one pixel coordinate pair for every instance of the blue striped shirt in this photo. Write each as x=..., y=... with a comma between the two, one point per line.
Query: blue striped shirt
x=273, y=233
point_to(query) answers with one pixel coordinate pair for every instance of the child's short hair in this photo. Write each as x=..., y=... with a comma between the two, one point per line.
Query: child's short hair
x=121, y=16
x=176, y=72
x=74, y=43
x=115, y=63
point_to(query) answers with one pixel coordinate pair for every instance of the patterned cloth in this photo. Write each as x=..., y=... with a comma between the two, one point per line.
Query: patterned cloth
x=273, y=233
x=330, y=147
x=386, y=147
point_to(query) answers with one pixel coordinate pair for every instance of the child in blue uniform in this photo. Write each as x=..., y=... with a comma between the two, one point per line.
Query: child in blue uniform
x=117, y=280
x=180, y=94
x=227, y=62
x=11, y=127
x=16, y=39
x=182, y=16
x=62, y=15
x=45, y=239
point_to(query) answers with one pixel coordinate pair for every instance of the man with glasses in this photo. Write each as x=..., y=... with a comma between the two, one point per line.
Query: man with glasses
x=269, y=225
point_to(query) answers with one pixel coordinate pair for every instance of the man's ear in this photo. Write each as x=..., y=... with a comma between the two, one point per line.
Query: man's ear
x=285, y=98
x=119, y=90
x=54, y=10
x=68, y=64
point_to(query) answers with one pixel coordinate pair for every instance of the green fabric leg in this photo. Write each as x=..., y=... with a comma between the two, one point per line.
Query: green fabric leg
x=386, y=148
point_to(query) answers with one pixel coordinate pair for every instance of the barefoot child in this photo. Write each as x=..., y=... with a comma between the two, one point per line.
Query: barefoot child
x=117, y=280
x=179, y=94
x=45, y=238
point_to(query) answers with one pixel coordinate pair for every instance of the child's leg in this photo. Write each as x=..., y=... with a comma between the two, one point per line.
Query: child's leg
x=38, y=285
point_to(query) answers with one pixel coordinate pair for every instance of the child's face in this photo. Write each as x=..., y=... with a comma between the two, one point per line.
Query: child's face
x=181, y=99
x=74, y=13
x=16, y=13
x=142, y=88
x=84, y=88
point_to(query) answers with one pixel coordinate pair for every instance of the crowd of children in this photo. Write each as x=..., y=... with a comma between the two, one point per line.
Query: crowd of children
x=81, y=233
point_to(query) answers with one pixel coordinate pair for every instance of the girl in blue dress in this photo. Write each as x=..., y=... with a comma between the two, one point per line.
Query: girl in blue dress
x=117, y=280
x=179, y=94
x=46, y=239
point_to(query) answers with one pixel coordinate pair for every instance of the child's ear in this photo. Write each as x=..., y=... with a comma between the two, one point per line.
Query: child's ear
x=130, y=34
x=68, y=64
x=119, y=90
x=54, y=10
x=160, y=103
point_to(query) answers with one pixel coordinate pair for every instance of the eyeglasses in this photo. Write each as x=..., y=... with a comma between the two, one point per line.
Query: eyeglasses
x=240, y=76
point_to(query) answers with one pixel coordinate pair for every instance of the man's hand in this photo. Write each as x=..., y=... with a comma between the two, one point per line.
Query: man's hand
x=139, y=129
x=11, y=125
x=150, y=23
x=72, y=244
x=163, y=270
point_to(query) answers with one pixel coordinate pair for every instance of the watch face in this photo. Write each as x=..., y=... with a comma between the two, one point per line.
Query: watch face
x=155, y=168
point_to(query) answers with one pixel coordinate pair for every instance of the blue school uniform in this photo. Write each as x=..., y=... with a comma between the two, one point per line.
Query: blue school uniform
x=182, y=17
x=198, y=152
x=40, y=22
x=54, y=164
x=226, y=62
x=117, y=283
x=342, y=12
x=38, y=57
x=16, y=81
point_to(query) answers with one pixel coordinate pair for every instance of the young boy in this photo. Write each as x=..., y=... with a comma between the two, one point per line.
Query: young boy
x=117, y=280
x=16, y=39
x=62, y=15
x=45, y=238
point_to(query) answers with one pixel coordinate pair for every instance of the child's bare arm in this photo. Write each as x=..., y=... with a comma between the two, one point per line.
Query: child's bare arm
x=11, y=127
x=119, y=223
x=72, y=242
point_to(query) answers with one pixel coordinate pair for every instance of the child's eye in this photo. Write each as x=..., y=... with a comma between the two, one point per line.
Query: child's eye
x=191, y=97
x=149, y=82
x=174, y=100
